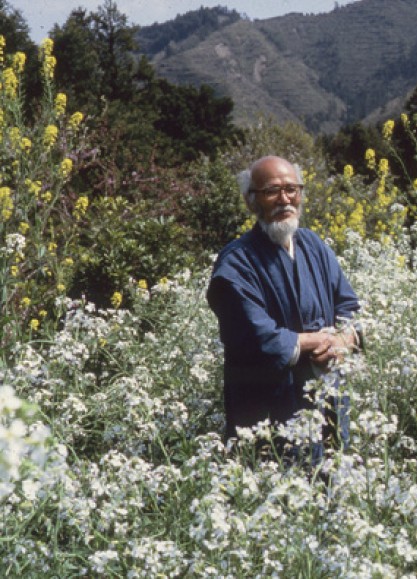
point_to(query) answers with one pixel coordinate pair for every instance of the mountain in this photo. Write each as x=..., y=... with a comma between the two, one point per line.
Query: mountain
x=356, y=63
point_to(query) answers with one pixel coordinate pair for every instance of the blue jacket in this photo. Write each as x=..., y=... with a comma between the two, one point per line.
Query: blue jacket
x=263, y=299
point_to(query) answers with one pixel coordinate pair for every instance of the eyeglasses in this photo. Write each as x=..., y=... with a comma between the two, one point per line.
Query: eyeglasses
x=290, y=190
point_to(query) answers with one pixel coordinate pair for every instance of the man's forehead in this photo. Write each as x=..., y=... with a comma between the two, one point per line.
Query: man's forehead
x=272, y=168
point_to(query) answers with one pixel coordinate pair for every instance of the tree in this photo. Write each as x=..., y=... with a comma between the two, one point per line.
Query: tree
x=16, y=33
x=95, y=57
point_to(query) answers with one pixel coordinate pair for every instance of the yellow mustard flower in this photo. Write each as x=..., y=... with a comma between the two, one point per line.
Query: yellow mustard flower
x=68, y=261
x=143, y=284
x=405, y=120
x=384, y=166
x=401, y=260
x=6, y=203
x=48, y=61
x=26, y=301
x=61, y=288
x=370, y=158
x=34, y=187
x=10, y=82
x=34, y=324
x=2, y=46
x=14, y=271
x=19, y=61
x=50, y=136
x=65, y=168
x=60, y=103
x=24, y=227
x=387, y=129
x=25, y=144
x=81, y=206
x=348, y=171
x=42, y=314
x=75, y=121
x=46, y=47
x=116, y=299
x=52, y=247
x=46, y=196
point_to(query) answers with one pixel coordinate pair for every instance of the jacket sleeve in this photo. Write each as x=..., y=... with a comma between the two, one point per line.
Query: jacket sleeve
x=250, y=335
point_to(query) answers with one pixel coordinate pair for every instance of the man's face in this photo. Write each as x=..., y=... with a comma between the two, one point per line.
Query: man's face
x=274, y=201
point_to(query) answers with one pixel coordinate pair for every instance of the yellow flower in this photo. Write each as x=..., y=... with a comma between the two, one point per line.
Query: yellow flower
x=14, y=271
x=48, y=61
x=49, y=66
x=116, y=299
x=388, y=129
x=401, y=260
x=46, y=48
x=384, y=166
x=60, y=287
x=60, y=103
x=348, y=171
x=10, y=82
x=405, y=120
x=2, y=45
x=50, y=136
x=6, y=203
x=25, y=144
x=34, y=187
x=52, y=247
x=24, y=227
x=65, y=168
x=26, y=302
x=81, y=206
x=43, y=313
x=75, y=121
x=34, y=325
x=143, y=284
x=68, y=261
x=19, y=60
x=47, y=196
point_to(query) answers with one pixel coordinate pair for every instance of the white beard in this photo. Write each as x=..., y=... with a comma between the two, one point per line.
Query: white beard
x=280, y=232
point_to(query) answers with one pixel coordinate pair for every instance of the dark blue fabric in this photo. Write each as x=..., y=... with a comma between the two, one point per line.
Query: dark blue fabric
x=263, y=299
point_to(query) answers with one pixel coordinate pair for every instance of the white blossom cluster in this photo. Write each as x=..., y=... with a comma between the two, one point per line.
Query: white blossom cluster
x=133, y=402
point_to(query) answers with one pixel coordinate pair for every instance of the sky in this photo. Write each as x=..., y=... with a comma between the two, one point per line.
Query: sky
x=41, y=15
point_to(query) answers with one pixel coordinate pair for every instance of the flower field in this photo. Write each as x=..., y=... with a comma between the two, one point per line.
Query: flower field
x=121, y=472
x=112, y=459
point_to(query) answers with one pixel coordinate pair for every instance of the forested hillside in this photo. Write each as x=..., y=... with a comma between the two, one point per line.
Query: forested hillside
x=323, y=70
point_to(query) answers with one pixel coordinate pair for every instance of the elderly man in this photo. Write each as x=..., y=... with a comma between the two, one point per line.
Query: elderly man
x=279, y=295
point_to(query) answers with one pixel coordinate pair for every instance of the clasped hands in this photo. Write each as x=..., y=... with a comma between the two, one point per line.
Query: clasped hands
x=326, y=345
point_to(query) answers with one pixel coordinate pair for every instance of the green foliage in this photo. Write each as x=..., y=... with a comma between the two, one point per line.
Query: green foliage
x=349, y=145
x=37, y=209
x=120, y=241
x=16, y=33
x=94, y=53
x=214, y=209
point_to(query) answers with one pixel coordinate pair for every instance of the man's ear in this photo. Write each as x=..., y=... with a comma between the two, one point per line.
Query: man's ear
x=251, y=202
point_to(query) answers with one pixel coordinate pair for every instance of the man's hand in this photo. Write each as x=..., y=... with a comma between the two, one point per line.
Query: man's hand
x=323, y=347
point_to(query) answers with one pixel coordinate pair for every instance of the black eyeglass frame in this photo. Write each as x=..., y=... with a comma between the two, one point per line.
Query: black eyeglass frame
x=275, y=190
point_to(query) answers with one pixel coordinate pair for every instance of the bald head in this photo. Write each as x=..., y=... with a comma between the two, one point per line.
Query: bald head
x=263, y=171
x=268, y=169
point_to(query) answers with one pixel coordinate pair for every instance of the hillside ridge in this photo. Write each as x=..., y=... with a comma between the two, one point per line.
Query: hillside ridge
x=356, y=63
